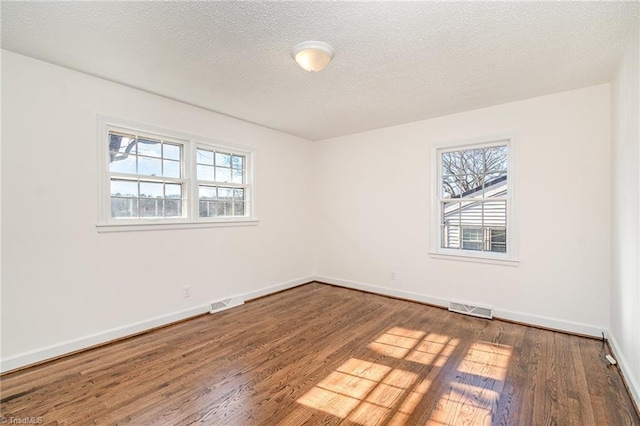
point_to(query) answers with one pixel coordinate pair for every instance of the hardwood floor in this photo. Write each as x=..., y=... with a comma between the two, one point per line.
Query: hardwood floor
x=322, y=355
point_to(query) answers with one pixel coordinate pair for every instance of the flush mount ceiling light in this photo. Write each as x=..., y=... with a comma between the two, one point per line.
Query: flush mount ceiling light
x=312, y=56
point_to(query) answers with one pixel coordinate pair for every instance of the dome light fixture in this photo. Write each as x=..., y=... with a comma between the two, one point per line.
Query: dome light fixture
x=312, y=56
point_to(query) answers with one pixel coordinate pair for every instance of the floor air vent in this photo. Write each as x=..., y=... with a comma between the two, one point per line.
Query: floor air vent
x=467, y=309
x=228, y=303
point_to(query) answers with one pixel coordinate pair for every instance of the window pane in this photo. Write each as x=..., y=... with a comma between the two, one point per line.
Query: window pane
x=495, y=185
x=225, y=208
x=452, y=163
x=172, y=152
x=225, y=193
x=204, y=209
x=498, y=240
x=496, y=159
x=223, y=160
x=205, y=173
x=471, y=213
x=149, y=166
x=472, y=238
x=451, y=187
x=149, y=147
x=451, y=213
x=450, y=225
x=123, y=164
x=238, y=208
x=207, y=192
x=472, y=234
x=237, y=176
x=124, y=188
x=171, y=168
x=465, y=186
x=223, y=174
x=495, y=213
x=204, y=157
x=173, y=208
x=151, y=190
x=124, y=207
x=467, y=245
x=450, y=237
x=172, y=190
x=473, y=161
x=237, y=162
x=120, y=144
x=151, y=207
x=238, y=194
x=471, y=185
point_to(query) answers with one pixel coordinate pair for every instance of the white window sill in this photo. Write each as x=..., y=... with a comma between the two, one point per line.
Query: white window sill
x=129, y=227
x=474, y=258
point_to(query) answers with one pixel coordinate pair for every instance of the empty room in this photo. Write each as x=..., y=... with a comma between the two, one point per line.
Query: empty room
x=320, y=213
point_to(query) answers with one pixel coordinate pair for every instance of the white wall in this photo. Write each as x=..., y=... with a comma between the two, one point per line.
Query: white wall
x=358, y=205
x=625, y=283
x=373, y=211
x=62, y=280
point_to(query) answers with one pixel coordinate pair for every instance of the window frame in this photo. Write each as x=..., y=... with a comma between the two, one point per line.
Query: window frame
x=190, y=183
x=510, y=257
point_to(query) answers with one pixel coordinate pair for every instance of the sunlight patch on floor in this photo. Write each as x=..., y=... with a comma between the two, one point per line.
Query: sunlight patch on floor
x=367, y=393
x=488, y=360
x=465, y=404
x=472, y=397
x=401, y=343
x=359, y=390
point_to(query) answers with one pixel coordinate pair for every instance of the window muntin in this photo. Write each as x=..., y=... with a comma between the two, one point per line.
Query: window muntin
x=474, y=199
x=153, y=177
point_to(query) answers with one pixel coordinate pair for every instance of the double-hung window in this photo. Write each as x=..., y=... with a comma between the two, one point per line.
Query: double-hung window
x=474, y=209
x=146, y=175
x=222, y=187
x=153, y=177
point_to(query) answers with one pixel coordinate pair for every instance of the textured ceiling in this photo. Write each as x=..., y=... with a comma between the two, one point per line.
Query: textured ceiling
x=395, y=62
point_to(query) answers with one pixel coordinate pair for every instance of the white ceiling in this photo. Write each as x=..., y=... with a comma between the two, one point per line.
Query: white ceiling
x=395, y=62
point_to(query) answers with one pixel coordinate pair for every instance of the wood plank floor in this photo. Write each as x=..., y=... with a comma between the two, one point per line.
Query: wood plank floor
x=322, y=355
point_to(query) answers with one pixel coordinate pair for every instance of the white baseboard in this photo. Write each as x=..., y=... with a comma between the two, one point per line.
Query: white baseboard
x=48, y=352
x=59, y=349
x=356, y=285
x=632, y=381
x=539, y=321
x=277, y=287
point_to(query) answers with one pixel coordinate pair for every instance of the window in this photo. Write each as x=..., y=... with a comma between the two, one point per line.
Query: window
x=221, y=183
x=473, y=200
x=146, y=176
x=153, y=177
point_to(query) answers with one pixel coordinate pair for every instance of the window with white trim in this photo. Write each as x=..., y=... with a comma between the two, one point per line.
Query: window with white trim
x=146, y=176
x=151, y=176
x=221, y=183
x=473, y=200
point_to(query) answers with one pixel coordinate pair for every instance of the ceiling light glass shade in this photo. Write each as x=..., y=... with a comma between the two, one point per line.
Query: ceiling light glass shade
x=312, y=56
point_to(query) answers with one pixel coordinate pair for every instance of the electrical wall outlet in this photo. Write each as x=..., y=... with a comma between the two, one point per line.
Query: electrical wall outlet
x=186, y=291
x=392, y=274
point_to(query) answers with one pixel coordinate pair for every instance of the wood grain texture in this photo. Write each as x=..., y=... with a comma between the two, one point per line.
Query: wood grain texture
x=323, y=355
